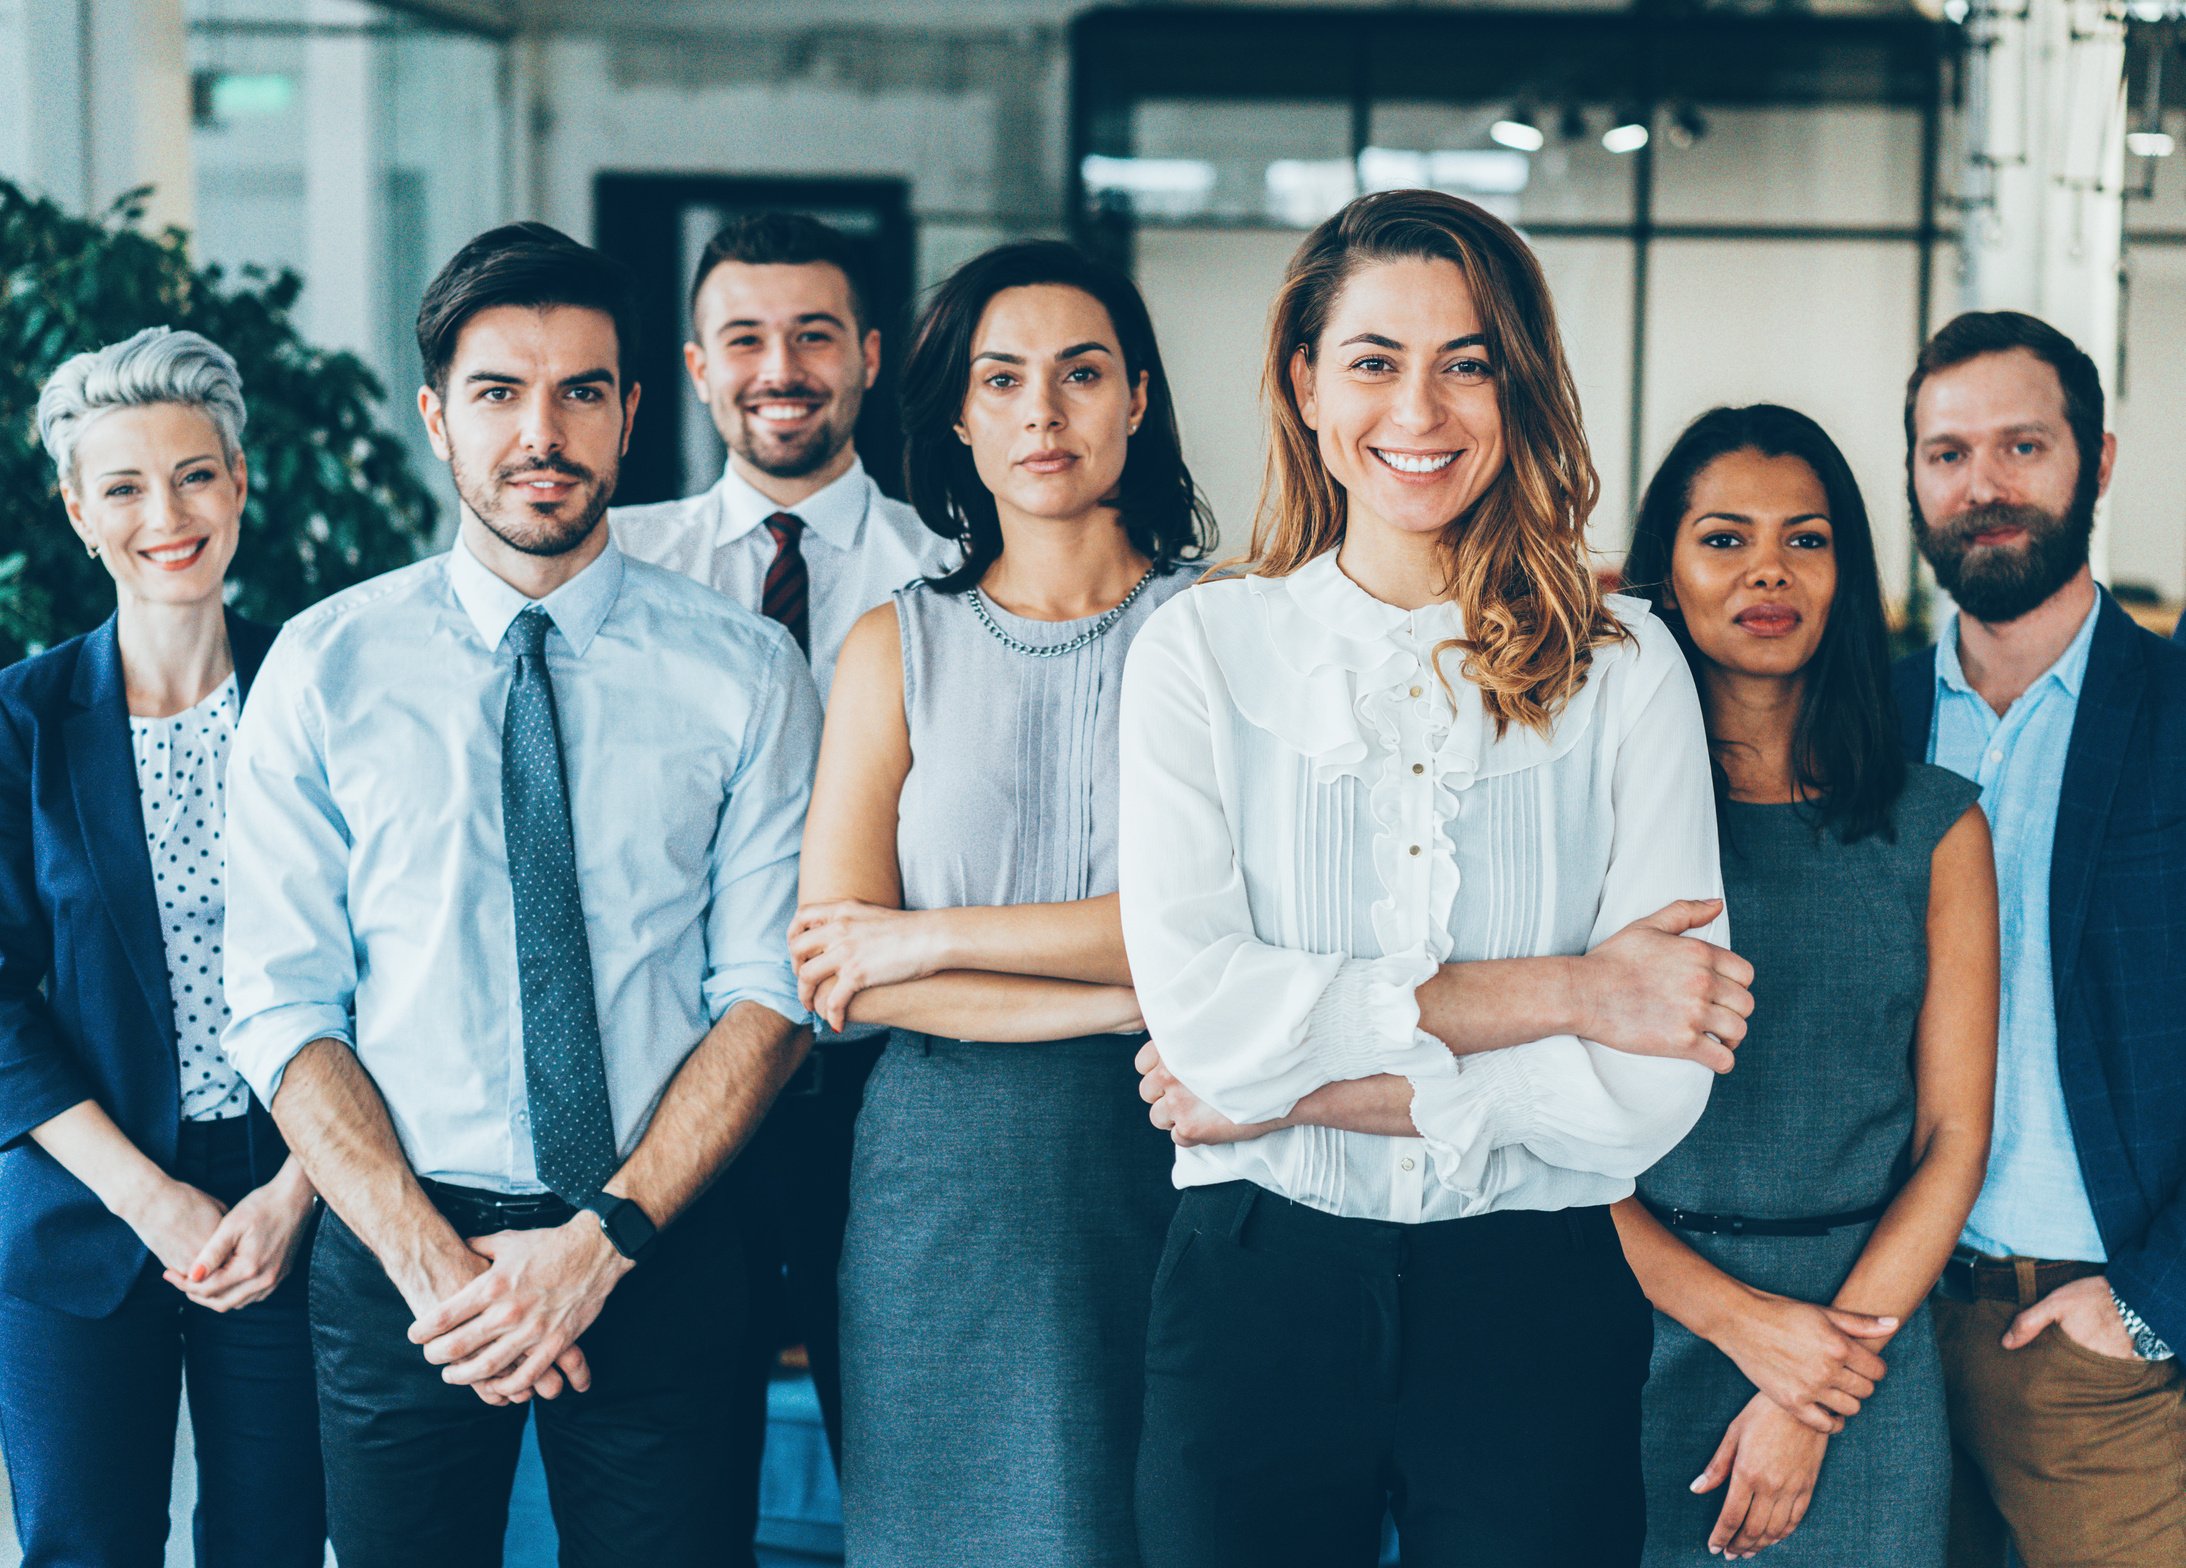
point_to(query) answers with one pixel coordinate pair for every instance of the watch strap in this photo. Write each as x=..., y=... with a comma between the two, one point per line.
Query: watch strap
x=628, y=1228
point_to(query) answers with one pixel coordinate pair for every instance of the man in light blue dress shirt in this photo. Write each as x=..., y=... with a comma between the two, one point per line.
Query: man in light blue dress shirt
x=2068, y=1413
x=513, y=840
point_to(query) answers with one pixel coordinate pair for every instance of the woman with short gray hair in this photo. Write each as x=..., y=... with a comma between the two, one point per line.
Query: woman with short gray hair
x=149, y=1213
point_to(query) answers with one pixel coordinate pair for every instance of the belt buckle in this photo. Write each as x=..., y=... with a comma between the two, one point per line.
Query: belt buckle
x=526, y=1205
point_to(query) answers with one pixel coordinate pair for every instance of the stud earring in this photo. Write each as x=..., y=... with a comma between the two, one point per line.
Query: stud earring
x=91, y=550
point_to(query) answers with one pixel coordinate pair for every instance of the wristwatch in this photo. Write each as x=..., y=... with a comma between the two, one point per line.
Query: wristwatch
x=2147, y=1343
x=624, y=1224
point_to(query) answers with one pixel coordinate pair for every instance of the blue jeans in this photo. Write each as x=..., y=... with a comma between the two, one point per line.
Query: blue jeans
x=88, y=1409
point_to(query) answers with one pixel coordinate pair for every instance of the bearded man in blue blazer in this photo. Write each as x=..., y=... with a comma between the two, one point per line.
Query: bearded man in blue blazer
x=2059, y=1312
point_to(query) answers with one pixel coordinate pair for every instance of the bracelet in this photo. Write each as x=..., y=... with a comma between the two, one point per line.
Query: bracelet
x=2147, y=1343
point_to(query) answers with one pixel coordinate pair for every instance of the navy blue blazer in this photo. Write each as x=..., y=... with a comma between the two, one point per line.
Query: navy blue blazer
x=85, y=1010
x=2117, y=935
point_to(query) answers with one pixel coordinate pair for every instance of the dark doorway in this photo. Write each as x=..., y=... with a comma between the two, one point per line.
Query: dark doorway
x=658, y=224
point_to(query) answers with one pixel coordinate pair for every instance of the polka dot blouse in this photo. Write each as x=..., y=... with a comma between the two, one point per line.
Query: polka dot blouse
x=182, y=769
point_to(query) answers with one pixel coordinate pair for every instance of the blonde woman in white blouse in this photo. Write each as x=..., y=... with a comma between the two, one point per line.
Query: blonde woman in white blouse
x=1414, y=824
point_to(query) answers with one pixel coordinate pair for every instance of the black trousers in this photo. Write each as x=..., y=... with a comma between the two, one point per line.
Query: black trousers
x=419, y=1471
x=792, y=1185
x=1480, y=1378
x=87, y=1413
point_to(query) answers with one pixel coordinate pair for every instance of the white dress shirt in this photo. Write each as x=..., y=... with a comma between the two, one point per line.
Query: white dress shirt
x=859, y=547
x=369, y=896
x=1310, y=828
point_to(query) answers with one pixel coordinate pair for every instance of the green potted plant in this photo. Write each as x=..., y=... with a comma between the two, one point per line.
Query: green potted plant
x=333, y=499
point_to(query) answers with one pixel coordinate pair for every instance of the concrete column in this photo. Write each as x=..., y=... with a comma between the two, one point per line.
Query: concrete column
x=2043, y=164
x=344, y=183
x=95, y=100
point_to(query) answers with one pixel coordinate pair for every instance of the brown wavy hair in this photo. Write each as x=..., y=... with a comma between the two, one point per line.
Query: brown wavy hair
x=1518, y=561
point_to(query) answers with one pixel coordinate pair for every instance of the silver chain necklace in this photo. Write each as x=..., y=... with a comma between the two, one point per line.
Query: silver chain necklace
x=1091, y=634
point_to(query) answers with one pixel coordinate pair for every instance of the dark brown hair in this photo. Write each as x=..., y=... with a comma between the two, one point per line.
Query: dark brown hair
x=1845, y=746
x=785, y=239
x=1162, y=511
x=526, y=264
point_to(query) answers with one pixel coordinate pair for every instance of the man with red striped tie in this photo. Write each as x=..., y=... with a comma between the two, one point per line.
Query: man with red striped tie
x=782, y=352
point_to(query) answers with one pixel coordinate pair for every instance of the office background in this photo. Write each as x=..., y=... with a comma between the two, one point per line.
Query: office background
x=1733, y=201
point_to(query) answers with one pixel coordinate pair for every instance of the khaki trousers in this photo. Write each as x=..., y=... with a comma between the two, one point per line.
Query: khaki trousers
x=2078, y=1459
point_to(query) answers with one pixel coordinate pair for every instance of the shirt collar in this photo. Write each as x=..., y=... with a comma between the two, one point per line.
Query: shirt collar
x=578, y=608
x=2069, y=671
x=1341, y=606
x=835, y=513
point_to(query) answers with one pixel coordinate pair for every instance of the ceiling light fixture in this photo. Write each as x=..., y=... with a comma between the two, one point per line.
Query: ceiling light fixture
x=1628, y=133
x=1518, y=131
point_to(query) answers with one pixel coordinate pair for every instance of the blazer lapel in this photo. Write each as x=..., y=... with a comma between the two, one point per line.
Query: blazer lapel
x=248, y=643
x=102, y=776
x=2109, y=703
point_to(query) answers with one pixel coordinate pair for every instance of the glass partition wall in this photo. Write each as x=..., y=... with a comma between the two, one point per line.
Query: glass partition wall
x=1730, y=209
x=358, y=145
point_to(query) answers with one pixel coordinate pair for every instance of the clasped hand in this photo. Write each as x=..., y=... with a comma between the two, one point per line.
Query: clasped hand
x=1818, y=1363
x=1771, y=1463
x=225, y=1259
x=843, y=946
x=511, y=1330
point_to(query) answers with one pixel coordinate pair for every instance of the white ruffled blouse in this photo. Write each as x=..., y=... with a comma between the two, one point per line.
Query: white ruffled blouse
x=1310, y=827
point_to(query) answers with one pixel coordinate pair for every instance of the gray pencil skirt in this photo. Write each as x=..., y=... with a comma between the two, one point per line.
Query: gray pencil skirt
x=1008, y=1204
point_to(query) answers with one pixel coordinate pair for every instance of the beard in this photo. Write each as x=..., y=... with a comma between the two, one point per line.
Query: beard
x=525, y=525
x=788, y=457
x=2000, y=583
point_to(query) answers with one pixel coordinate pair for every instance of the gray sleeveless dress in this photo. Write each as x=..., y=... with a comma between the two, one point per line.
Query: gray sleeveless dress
x=1816, y=1119
x=1008, y=1202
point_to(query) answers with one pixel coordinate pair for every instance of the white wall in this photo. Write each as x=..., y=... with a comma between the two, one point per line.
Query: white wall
x=2148, y=414
x=95, y=100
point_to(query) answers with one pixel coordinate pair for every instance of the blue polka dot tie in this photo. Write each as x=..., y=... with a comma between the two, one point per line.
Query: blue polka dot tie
x=572, y=1127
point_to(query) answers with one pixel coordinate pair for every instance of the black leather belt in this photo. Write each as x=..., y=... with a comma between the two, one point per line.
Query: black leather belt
x=473, y=1211
x=1745, y=1225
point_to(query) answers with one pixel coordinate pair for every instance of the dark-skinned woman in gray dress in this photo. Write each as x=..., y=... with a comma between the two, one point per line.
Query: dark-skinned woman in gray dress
x=1795, y=1402
x=1008, y=1197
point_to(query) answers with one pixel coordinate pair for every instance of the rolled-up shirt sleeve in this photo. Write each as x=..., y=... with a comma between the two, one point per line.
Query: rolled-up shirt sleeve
x=753, y=865
x=291, y=962
x=1249, y=1027
x=1573, y=1103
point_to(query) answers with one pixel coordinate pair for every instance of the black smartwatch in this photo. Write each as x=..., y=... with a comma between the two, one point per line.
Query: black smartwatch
x=624, y=1224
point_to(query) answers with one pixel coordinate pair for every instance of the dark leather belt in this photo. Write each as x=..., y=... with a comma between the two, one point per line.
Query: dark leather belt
x=473, y=1211
x=1746, y=1225
x=2022, y=1281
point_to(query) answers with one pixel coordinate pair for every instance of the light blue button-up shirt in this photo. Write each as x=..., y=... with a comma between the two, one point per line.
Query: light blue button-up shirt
x=369, y=892
x=2034, y=1202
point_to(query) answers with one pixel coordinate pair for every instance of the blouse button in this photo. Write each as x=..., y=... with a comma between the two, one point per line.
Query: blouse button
x=1415, y=849
x=1416, y=690
x=1419, y=767
x=1405, y=1163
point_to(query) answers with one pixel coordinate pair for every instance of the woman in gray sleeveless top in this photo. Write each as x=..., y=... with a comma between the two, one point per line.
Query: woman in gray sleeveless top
x=1795, y=1401
x=1008, y=1196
